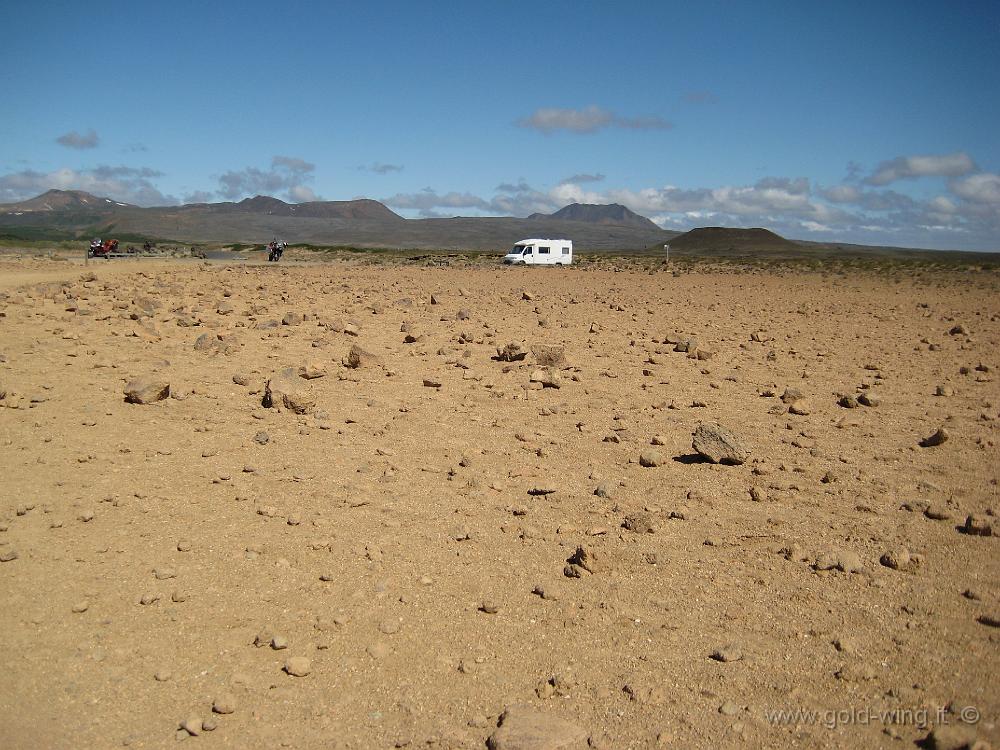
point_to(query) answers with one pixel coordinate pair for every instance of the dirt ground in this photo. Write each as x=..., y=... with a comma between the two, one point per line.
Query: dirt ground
x=440, y=535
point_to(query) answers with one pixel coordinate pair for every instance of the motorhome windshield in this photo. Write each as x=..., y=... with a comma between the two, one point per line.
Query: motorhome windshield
x=517, y=250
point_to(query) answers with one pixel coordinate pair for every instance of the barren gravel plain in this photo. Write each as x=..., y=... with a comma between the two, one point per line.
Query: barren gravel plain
x=373, y=506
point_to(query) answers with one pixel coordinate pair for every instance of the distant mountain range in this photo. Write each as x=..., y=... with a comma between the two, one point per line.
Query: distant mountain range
x=69, y=214
x=78, y=216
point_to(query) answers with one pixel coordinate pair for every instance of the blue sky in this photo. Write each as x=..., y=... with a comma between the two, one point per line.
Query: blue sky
x=874, y=122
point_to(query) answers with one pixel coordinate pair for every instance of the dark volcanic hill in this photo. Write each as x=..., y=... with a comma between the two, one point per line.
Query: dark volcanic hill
x=726, y=240
x=362, y=208
x=593, y=213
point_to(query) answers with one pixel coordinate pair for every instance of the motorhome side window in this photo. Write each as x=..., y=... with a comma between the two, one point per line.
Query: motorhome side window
x=565, y=251
x=543, y=251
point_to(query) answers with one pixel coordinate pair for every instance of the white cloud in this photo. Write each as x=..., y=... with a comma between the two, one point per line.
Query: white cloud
x=380, y=168
x=584, y=177
x=302, y=194
x=120, y=183
x=789, y=206
x=978, y=188
x=588, y=120
x=427, y=200
x=76, y=140
x=908, y=167
x=814, y=226
x=287, y=176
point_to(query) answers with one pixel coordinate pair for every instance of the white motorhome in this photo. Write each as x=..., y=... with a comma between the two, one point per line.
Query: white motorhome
x=540, y=253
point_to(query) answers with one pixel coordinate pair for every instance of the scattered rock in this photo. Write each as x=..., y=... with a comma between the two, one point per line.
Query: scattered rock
x=512, y=352
x=548, y=376
x=525, y=728
x=936, y=439
x=844, y=561
x=584, y=559
x=977, y=524
x=548, y=356
x=897, y=559
x=224, y=704
x=286, y=389
x=938, y=512
x=719, y=445
x=869, y=398
x=298, y=666
x=639, y=523
x=146, y=391
x=358, y=357
x=651, y=458
x=729, y=653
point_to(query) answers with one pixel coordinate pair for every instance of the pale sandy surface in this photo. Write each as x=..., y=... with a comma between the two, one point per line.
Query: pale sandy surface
x=414, y=501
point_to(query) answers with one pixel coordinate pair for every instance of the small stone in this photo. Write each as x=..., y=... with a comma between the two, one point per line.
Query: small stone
x=298, y=666
x=729, y=709
x=587, y=558
x=951, y=737
x=224, y=704
x=81, y=607
x=8, y=555
x=868, y=398
x=163, y=675
x=548, y=593
x=844, y=561
x=896, y=559
x=977, y=524
x=192, y=725
x=389, y=627
x=489, y=607
x=990, y=620
x=729, y=653
x=279, y=642
x=937, y=438
x=146, y=391
x=651, y=458
x=639, y=523
x=524, y=728
x=937, y=512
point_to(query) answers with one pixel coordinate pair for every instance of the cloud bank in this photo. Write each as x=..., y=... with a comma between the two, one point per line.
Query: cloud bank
x=909, y=167
x=125, y=184
x=287, y=177
x=76, y=140
x=965, y=215
x=591, y=119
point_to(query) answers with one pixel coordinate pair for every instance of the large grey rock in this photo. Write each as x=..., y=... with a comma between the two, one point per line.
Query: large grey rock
x=524, y=728
x=719, y=445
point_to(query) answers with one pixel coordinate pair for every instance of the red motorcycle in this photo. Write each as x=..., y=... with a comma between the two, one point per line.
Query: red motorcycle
x=103, y=249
